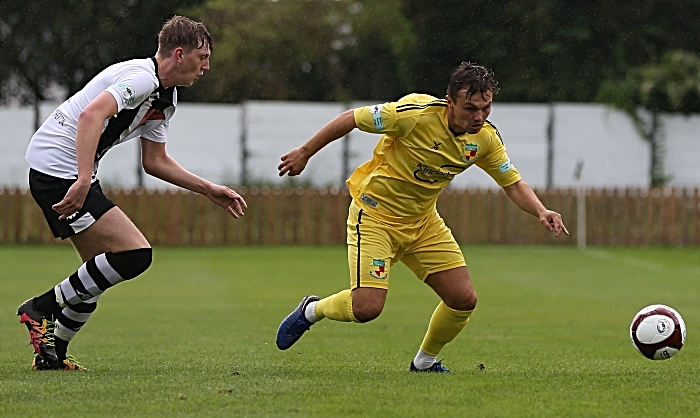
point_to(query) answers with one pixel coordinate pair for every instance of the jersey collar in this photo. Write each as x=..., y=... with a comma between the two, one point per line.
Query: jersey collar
x=447, y=125
x=160, y=84
x=453, y=132
x=155, y=64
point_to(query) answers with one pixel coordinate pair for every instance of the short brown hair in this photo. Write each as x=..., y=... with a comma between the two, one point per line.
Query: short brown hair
x=180, y=31
x=472, y=77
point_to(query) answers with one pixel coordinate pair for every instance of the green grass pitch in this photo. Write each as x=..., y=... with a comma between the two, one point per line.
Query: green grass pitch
x=194, y=336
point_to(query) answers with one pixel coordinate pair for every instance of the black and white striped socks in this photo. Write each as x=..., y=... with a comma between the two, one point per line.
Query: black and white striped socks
x=74, y=299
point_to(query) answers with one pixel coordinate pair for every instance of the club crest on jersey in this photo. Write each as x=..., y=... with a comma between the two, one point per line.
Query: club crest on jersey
x=127, y=93
x=470, y=151
x=378, y=269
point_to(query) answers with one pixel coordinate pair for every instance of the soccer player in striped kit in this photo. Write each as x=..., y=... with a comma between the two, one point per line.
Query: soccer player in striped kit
x=425, y=143
x=130, y=99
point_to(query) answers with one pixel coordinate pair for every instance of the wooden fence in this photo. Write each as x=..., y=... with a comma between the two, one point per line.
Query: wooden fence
x=310, y=216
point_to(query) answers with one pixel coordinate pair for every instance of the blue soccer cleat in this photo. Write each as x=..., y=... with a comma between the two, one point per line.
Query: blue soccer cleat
x=294, y=325
x=437, y=367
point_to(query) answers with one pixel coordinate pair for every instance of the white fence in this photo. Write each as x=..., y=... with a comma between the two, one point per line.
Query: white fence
x=235, y=143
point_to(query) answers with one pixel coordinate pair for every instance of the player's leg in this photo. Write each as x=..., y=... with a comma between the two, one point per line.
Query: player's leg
x=111, y=247
x=369, y=256
x=437, y=259
x=371, y=251
x=451, y=315
x=112, y=233
x=110, y=242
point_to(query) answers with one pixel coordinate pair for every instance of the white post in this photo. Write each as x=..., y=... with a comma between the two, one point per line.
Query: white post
x=580, y=206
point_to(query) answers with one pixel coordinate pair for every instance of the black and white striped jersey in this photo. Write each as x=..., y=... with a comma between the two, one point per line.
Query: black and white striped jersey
x=144, y=109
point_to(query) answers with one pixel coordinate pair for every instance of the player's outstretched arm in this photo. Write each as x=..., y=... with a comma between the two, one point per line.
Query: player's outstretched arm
x=294, y=162
x=158, y=163
x=523, y=196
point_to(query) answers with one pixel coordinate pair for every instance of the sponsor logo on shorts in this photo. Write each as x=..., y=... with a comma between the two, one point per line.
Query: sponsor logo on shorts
x=376, y=112
x=368, y=200
x=378, y=269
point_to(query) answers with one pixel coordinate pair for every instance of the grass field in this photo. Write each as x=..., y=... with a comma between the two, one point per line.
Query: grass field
x=194, y=336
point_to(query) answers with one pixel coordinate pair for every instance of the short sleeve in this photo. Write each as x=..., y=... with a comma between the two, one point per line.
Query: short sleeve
x=377, y=119
x=497, y=164
x=132, y=88
x=157, y=134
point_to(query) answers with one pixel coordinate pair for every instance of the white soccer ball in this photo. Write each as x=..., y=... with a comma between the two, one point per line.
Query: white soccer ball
x=658, y=332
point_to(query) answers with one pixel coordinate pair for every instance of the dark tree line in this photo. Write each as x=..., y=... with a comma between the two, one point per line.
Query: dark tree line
x=549, y=50
x=50, y=44
x=540, y=50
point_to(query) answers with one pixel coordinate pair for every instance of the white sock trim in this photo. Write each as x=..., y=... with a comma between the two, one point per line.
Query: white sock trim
x=423, y=360
x=63, y=333
x=59, y=296
x=309, y=312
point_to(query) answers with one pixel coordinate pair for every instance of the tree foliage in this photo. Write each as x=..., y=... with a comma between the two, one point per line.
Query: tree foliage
x=305, y=50
x=547, y=50
x=47, y=43
x=670, y=86
x=540, y=50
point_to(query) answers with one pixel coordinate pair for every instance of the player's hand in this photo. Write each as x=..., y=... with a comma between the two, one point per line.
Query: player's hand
x=73, y=200
x=293, y=162
x=553, y=222
x=227, y=199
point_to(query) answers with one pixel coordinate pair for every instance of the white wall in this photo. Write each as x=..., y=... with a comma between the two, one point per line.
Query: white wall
x=682, y=150
x=613, y=153
x=206, y=139
x=275, y=128
x=17, y=129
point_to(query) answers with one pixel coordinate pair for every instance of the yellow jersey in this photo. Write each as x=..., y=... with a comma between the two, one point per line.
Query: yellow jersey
x=418, y=155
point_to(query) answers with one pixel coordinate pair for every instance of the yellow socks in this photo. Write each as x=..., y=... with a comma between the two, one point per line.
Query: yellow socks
x=337, y=307
x=444, y=326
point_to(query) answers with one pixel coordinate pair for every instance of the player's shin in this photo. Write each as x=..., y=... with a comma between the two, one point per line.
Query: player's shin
x=69, y=322
x=444, y=326
x=337, y=307
x=93, y=278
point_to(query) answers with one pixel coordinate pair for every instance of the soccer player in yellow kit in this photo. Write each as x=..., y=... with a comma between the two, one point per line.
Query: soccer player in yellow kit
x=425, y=142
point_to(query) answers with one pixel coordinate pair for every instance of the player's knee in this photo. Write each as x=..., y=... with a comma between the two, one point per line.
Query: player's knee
x=367, y=303
x=465, y=302
x=366, y=309
x=470, y=303
x=366, y=313
x=130, y=264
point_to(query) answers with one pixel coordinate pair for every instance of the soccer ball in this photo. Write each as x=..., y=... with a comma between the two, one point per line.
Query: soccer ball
x=658, y=332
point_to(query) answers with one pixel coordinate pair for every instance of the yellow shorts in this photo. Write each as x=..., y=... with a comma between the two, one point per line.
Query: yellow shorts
x=425, y=246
